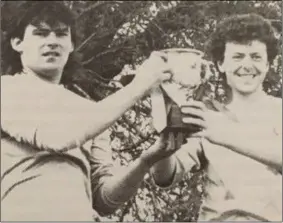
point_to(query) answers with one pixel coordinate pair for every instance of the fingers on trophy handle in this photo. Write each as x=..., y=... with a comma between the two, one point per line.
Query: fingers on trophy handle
x=162, y=55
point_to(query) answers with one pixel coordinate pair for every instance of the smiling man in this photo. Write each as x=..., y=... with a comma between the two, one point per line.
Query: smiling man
x=241, y=158
x=246, y=66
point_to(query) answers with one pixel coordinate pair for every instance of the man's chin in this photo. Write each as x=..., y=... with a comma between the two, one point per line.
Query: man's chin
x=49, y=68
x=247, y=90
x=49, y=72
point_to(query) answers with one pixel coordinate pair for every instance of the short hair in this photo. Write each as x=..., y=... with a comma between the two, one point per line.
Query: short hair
x=242, y=28
x=34, y=13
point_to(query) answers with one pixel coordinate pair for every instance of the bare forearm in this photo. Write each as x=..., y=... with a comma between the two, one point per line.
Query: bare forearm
x=263, y=151
x=265, y=148
x=120, y=187
x=96, y=118
x=110, y=109
x=163, y=171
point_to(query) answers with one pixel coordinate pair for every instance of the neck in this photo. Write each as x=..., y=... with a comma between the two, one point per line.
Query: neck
x=247, y=100
x=52, y=77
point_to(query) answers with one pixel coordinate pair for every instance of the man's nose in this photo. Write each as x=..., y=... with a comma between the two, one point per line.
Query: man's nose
x=52, y=40
x=247, y=64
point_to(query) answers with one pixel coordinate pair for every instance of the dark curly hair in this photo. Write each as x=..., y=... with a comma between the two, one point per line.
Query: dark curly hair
x=35, y=12
x=242, y=28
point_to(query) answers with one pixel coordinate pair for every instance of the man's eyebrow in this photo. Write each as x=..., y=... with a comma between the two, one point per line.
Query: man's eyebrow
x=238, y=53
x=41, y=29
x=63, y=29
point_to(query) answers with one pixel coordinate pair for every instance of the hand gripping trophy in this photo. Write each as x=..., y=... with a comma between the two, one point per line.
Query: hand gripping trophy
x=189, y=82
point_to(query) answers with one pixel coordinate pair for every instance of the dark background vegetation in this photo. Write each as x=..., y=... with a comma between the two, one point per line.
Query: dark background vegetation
x=114, y=38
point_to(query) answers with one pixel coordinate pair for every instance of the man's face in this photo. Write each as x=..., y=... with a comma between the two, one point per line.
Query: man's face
x=245, y=65
x=44, y=49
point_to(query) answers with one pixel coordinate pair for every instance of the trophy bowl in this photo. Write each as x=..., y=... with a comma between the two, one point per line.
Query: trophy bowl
x=187, y=66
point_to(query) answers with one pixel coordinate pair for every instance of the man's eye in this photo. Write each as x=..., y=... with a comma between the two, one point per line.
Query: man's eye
x=60, y=34
x=237, y=57
x=256, y=57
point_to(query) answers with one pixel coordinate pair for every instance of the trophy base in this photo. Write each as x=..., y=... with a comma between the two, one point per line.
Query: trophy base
x=175, y=123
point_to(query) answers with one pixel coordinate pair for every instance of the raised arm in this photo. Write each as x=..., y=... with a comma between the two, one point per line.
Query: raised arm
x=263, y=143
x=171, y=170
x=113, y=185
x=265, y=148
x=69, y=123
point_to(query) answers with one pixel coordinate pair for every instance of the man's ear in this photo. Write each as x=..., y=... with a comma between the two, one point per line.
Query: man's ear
x=16, y=44
x=267, y=66
x=72, y=48
x=220, y=66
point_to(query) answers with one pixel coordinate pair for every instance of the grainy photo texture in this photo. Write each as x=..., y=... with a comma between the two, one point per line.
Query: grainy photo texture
x=141, y=111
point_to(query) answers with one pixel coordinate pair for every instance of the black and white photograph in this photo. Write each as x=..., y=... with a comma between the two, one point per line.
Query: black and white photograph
x=141, y=111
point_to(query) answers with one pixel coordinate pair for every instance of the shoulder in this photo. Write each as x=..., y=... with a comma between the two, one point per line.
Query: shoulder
x=276, y=100
x=274, y=104
x=14, y=88
x=8, y=80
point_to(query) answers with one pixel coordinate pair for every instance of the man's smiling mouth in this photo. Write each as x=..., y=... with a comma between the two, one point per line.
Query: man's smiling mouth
x=246, y=75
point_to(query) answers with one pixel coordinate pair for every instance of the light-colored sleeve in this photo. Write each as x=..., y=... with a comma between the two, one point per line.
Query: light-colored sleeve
x=101, y=162
x=17, y=116
x=52, y=118
x=103, y=170
x=186, y=158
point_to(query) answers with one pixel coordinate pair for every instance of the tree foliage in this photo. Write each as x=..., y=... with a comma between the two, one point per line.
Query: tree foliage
x=114, y=38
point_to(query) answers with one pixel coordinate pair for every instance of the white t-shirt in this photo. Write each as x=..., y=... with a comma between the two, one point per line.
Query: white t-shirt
x=36, y=183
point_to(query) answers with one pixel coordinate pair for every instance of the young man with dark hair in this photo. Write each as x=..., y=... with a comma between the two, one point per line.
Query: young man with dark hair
x=242, y=158
x=46, y=171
